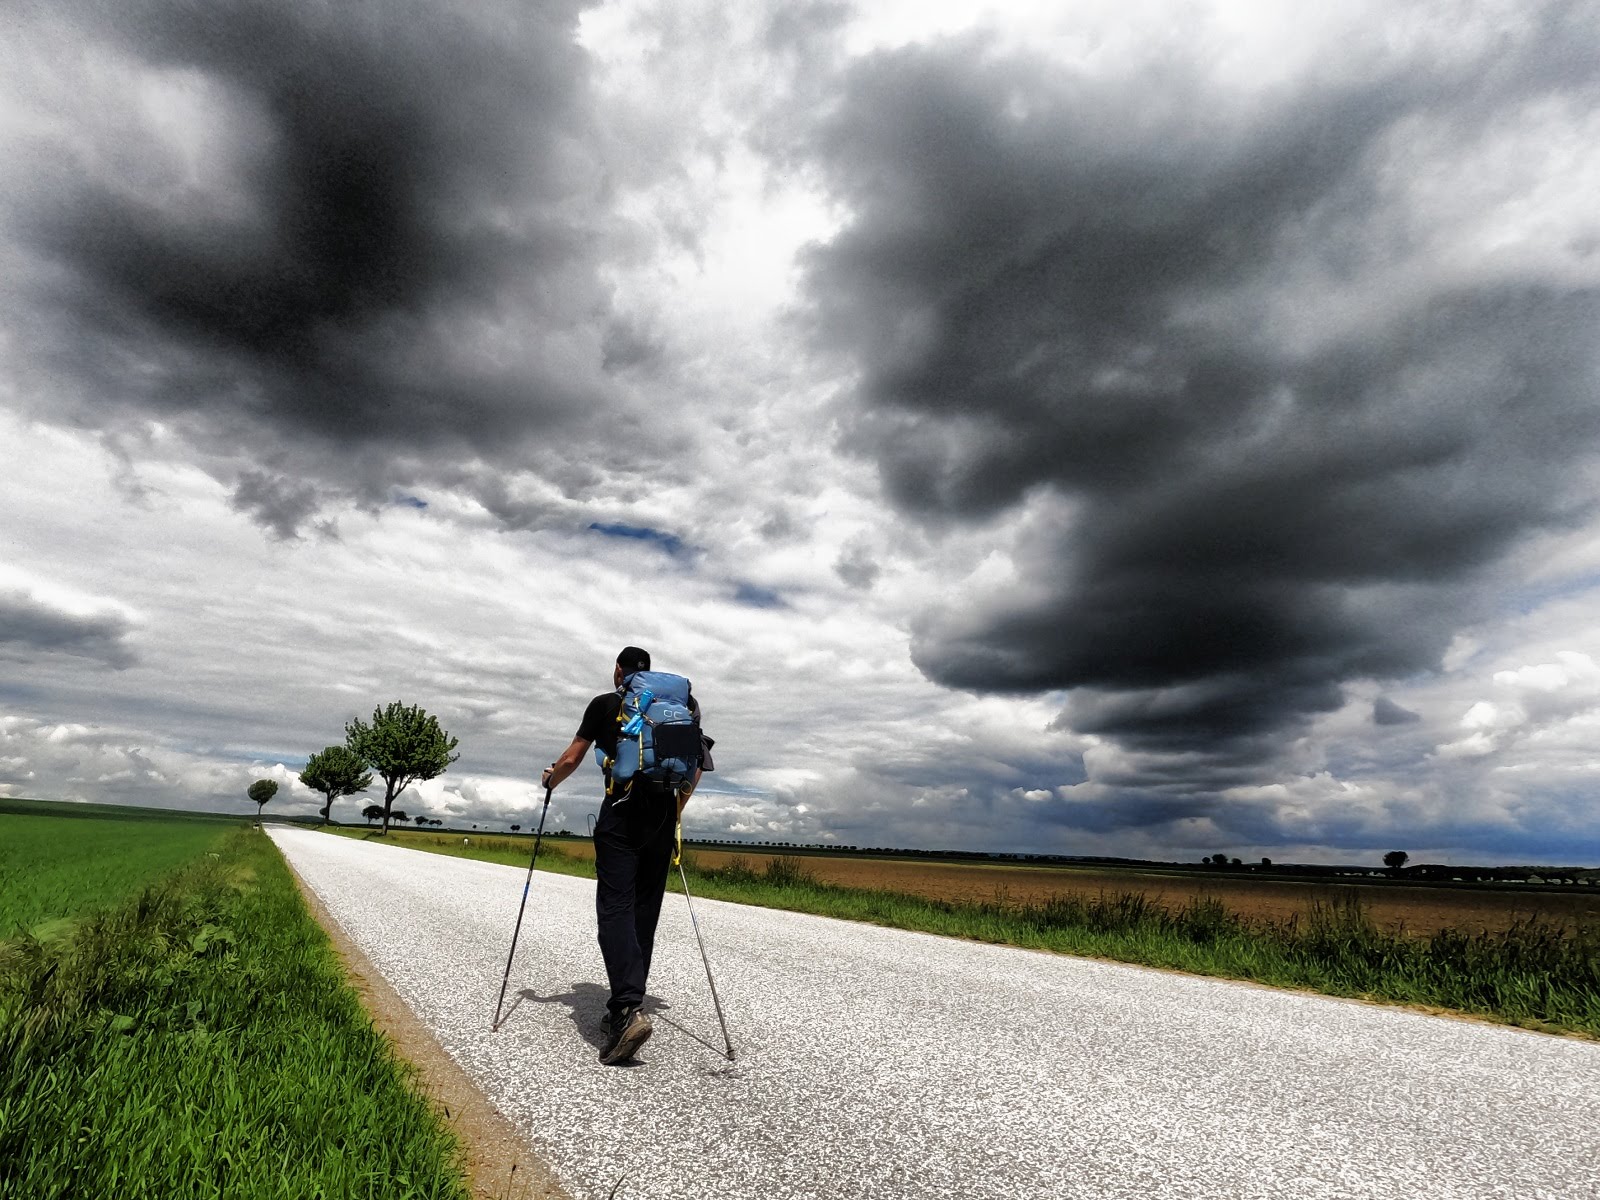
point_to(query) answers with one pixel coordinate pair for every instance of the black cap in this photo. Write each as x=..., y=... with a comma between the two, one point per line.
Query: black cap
x=633, y=659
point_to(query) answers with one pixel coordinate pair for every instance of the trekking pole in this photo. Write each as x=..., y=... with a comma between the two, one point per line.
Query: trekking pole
x=677, y=861
x=518, y=930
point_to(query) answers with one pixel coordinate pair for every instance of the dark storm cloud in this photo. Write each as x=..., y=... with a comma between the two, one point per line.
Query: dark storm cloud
x=29, y=626
x=394, y=251
x=278, y=504
x=1386, y=712
x=1065, y=298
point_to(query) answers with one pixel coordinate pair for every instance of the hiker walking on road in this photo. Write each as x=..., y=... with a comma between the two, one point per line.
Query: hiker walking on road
x=646, y=736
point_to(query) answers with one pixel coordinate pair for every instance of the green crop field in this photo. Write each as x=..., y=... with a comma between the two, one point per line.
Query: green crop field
x=57, y=862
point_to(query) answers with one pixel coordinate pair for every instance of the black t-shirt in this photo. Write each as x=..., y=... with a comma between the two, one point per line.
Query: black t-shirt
x=599, y=724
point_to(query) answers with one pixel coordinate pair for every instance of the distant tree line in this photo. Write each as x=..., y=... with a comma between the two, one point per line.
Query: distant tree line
x=1395, y=864
x=1394, y=867
x=399, y=816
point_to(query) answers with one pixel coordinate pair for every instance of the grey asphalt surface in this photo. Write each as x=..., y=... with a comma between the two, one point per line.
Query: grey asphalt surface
x=879, y=1063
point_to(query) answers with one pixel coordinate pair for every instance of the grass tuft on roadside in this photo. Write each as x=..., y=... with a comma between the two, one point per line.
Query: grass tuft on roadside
x=200, y=1040
x=511, y=851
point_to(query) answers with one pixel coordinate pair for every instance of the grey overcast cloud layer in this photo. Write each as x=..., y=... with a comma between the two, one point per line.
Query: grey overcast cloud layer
x=1130, y=429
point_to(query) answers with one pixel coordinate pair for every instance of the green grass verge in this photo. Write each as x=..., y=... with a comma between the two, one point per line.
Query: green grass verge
x=1537, y=973
x=199, y=1041
x=55, y=866
x=511, y=851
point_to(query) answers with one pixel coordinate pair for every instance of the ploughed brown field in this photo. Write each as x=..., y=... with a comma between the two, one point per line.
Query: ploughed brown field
x=1420, y=910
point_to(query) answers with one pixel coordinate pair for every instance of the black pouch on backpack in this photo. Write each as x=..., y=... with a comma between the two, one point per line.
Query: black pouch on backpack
x=676, y=741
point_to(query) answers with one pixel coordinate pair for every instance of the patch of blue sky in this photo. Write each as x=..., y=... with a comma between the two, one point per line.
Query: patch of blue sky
x=408, y=501
x=14, y=689
x=715, y=785
x=1532, y=597
x=1495, y=845
x=263, y=756
x=758, y=597
x=669, y=542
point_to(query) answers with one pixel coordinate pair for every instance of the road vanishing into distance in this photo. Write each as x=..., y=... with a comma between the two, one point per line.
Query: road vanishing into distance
x=878, y=1063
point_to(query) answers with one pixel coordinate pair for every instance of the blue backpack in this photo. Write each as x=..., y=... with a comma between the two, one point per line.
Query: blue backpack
x=659, y=738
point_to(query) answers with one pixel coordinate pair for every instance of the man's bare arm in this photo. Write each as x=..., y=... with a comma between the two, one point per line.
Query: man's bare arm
x=571, y=759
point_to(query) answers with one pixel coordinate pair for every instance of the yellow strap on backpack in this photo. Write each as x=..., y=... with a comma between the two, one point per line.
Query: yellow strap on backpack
x=677, y=853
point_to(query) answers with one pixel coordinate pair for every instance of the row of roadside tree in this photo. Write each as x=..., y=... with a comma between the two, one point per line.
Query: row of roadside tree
x=374, y=812
x=401, y=745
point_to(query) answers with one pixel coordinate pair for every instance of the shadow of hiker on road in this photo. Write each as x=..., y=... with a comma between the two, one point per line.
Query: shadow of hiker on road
x=695, y=1037
x=586, y=1005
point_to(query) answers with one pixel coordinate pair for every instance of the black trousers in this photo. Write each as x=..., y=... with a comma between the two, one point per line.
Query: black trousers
x=633, y=842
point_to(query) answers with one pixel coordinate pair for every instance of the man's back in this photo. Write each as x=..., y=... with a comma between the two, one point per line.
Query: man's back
x=636, y=829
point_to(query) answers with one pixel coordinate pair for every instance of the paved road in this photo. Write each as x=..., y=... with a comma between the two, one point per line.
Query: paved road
x=877, y=1063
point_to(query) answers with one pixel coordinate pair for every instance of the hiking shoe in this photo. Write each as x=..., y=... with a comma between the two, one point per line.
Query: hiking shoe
x=630, y=1029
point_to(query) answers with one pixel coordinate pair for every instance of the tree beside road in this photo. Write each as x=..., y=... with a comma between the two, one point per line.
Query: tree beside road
x=335, y=771
x=403, y=744
x=260, y=792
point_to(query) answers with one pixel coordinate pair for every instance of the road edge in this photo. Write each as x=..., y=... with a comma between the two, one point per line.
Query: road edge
x=501, y=1163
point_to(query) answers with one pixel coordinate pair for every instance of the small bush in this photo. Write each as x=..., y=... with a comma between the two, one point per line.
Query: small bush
x=787, y=871
x=736, y=872
x=1205, y=921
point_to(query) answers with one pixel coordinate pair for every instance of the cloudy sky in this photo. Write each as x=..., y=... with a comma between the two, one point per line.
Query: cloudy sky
x=1131, y=428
